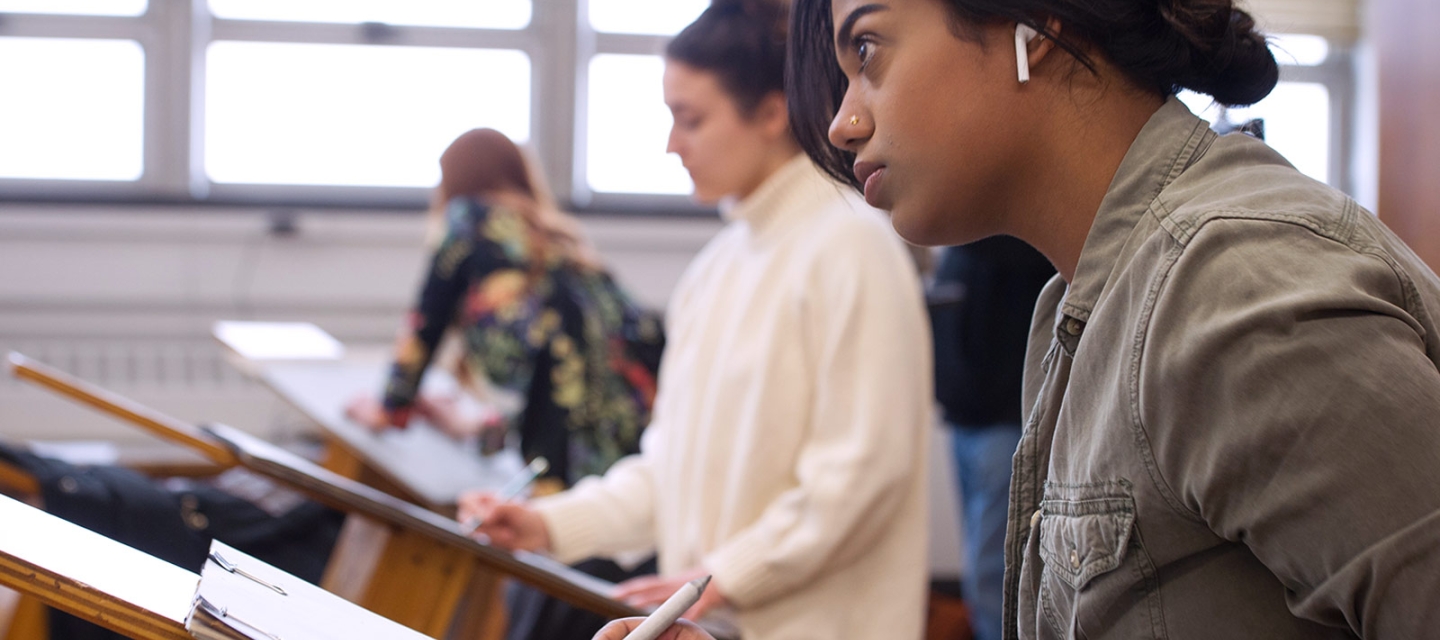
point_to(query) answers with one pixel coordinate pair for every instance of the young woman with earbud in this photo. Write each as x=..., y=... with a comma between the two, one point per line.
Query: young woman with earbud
x=1232, y=385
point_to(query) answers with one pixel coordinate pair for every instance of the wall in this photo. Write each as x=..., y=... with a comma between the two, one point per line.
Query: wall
x=126, y=296
x=1409, y=86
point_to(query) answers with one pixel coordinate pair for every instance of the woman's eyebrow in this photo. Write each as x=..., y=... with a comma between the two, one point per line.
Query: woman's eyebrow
x=843, y=37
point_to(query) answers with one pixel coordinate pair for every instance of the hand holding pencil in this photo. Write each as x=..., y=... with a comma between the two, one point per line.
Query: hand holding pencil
x=682, y=630
x=508, y=525
x=665, y=622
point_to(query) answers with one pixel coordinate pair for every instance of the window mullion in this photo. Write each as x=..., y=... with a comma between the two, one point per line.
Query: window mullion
x=580, y=193
x=167, y=103
x=552, y=92
x=410, y=36
x=630, y=43
x=63, y=26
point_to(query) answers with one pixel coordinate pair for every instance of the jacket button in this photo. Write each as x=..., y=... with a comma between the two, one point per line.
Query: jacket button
x=1035, y=519
x=1074, y=559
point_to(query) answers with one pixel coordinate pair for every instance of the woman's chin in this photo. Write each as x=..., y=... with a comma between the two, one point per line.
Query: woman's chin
x=937, y=227
x=705, y=198
x=918, y=228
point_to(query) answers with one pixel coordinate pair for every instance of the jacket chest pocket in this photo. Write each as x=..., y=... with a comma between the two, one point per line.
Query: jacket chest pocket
x=1096, y=579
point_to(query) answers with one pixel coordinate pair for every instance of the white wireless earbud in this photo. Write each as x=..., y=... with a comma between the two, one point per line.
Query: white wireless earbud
x=1024, y=33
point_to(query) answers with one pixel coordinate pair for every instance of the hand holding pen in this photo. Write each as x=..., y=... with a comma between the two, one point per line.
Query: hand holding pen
x=665, y=622
x=508, y=525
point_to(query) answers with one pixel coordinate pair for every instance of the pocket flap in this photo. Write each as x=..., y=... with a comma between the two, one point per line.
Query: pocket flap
x=1082, y=539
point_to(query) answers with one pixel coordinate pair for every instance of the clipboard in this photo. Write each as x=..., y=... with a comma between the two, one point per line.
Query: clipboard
x=241, y=598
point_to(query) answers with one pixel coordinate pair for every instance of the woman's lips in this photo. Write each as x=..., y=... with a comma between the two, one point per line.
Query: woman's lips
x=870, y=174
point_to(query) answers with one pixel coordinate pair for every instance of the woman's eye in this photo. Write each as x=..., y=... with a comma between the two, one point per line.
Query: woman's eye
x=862, y=53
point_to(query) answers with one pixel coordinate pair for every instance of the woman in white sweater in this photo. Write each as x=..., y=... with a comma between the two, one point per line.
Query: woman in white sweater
x=786, y=455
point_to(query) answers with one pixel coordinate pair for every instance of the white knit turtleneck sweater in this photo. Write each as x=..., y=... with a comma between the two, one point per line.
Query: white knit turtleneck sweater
x=787, y=450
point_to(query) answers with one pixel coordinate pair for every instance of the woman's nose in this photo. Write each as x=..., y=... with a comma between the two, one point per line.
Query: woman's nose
x=849, y=129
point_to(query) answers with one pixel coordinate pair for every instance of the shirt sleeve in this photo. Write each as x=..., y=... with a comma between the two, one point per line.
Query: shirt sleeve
x=462, y=254
x=864, y=459
x=605, y=515
x=1291, y=406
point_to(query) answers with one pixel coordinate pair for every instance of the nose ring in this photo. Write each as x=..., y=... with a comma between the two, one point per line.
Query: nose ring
x=854, y=120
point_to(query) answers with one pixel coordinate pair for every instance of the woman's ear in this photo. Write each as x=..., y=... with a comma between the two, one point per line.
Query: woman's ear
x=772, y=115
x=1038, y=47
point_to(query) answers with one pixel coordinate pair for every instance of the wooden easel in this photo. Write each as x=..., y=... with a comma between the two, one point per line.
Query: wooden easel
x=90, y=576
x=21, y=617
x=398, y=560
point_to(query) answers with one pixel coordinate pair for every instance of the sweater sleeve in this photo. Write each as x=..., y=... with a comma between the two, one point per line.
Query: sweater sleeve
x=616, y=513
x=864, y=456
x=605, y=515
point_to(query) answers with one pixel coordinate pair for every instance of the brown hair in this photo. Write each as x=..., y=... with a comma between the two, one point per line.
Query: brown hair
x=486, y=166
x=742, y=42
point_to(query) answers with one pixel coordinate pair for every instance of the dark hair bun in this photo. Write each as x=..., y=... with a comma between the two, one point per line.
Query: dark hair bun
x=740, y=41
x=1217, y=51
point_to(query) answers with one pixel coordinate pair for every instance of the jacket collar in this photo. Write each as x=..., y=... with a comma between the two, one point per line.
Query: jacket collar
x=1171, y=141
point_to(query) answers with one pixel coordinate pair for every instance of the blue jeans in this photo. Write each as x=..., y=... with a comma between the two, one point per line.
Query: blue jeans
x=982, y=463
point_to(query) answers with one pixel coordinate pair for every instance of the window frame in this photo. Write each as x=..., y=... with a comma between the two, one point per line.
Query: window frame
x=157, y=108
x=559, y=41
x=1337, y=74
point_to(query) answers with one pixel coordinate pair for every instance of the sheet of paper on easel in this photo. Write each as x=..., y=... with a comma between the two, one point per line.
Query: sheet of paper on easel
x=278, y=340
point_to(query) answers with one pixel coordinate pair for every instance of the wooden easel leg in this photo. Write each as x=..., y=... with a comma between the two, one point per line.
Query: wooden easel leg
x=29, y=619
x=482, y=612
x=399, y=574
x=344, y=462
x=9, y=599
x=339, y=460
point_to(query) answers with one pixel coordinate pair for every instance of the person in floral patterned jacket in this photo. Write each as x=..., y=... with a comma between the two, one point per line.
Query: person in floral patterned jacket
x=537, y=314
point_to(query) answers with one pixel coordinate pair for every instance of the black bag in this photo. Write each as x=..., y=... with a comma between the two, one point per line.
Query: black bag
x=176, y=520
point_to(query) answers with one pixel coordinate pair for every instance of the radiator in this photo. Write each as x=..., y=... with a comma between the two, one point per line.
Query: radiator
x=186, y=379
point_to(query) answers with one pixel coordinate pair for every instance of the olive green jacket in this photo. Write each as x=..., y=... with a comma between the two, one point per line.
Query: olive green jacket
x=1232, y=412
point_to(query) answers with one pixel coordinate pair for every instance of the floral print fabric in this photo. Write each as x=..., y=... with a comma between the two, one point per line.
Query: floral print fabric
x=566, y=338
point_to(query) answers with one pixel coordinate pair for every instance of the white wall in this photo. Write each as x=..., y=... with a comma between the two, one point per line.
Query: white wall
x=125, y=297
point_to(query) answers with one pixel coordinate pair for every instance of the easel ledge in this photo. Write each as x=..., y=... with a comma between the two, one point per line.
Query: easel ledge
x=91, y=576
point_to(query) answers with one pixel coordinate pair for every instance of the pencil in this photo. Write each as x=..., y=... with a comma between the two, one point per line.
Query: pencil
x=513, y=488
x=669, y=612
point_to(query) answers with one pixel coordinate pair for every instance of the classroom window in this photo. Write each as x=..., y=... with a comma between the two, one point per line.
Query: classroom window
x=484, y=14
x=1297, y=124
x=1296, y=116
x=1300, y=114
x=349, y=102
x=1300, y=49
x=287, y=113
x=653, y=17
x=74, y=110
x=628, y=126
x=76, y=7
